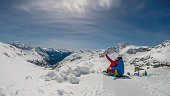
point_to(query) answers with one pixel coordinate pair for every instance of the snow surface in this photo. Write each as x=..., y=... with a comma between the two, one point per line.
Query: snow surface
x=80, y=74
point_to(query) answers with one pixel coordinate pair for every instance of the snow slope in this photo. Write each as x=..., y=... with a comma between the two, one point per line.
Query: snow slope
x=80, y=73
x=31, y=54
x=17, y=76
x=21, y=78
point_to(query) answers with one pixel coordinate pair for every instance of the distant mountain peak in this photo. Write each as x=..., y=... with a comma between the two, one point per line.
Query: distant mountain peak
x=117, y=48
x=123, y=45
x=21, y=45
x=164, y=44
x=49, y=49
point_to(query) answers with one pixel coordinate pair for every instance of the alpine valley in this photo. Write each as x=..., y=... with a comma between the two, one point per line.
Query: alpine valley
x=36, y=71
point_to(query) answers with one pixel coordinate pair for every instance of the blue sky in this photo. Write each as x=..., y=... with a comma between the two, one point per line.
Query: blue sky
x=84, y=24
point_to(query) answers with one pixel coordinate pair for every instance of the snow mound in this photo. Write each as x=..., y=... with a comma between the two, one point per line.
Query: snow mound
x=71, y=75
x=73, y=79
x=80, y=71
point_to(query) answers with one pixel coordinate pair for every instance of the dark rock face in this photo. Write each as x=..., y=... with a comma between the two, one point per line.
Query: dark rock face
x=134, y=51
x=57, y=56
x=146, y=61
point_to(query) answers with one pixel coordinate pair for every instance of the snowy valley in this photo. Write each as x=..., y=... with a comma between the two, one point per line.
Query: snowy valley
x=23, y=71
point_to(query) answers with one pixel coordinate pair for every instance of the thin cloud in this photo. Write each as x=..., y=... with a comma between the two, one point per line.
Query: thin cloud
x=73, y=6
x=25, y=8
x=67, y=14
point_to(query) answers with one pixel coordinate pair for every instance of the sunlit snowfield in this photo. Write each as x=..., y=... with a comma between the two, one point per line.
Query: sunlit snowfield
x=80, y=73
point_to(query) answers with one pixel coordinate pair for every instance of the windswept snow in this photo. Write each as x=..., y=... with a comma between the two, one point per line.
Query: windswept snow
x=80, y=74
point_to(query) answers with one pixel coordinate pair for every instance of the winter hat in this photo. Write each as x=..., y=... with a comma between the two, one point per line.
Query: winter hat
x=119, y=58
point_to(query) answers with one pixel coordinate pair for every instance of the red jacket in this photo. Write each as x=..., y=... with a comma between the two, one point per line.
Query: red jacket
x=113, y=64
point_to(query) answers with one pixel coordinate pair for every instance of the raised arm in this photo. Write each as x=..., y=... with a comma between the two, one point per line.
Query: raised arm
x=109, y=58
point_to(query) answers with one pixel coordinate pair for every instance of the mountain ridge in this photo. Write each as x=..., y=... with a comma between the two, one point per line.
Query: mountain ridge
x=50, y=56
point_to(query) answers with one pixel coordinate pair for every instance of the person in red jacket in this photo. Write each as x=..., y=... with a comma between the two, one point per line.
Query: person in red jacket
x=113, y=64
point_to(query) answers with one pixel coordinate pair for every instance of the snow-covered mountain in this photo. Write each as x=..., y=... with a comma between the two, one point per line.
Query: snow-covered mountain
x=132, y=55
x=40, y=56
x=79, y=73
x=84, y=68
x=17, y=76
x=142, y=55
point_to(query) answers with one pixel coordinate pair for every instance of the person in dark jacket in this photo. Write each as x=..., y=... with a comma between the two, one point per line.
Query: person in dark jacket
x=113, y=64
x=119, y=67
